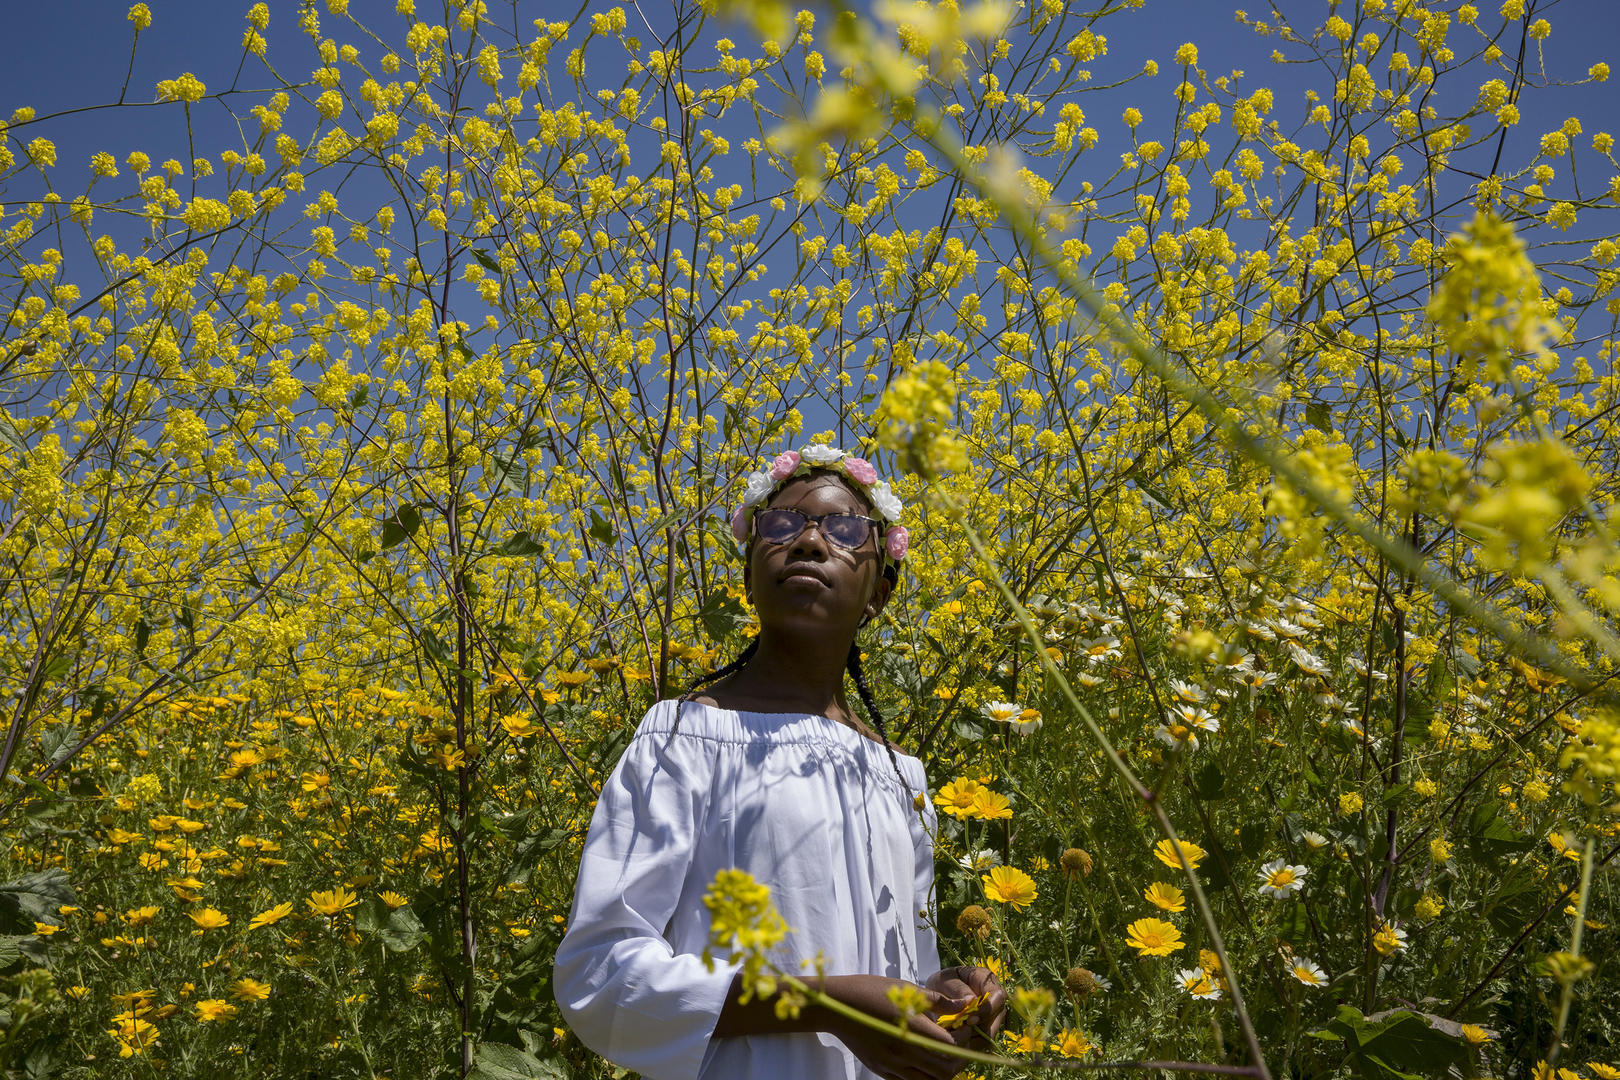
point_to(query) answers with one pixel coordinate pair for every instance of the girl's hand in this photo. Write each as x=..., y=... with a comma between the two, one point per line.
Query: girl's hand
x=883, y=1054
x=977, y=984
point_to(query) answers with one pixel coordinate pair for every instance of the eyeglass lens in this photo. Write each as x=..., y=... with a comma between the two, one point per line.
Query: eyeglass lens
x=780, y=525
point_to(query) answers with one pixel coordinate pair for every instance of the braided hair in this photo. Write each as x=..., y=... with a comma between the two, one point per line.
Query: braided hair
x=736, y=665
x=856, y=672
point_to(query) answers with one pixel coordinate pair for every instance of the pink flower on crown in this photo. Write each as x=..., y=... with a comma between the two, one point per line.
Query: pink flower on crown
x=860, y=470
x=739, y=524
x=785, y=463
x=895, y=542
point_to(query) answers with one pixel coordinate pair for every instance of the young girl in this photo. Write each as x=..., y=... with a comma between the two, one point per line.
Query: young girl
x=770, y=771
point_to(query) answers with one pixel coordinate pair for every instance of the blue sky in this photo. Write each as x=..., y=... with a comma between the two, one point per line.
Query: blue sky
x=74, y=53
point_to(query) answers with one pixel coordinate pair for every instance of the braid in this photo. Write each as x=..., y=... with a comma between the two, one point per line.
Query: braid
x=742, y=658
x=853, y=664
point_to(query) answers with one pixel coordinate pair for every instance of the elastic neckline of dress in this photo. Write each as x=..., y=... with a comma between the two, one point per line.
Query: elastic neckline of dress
x=789, y=712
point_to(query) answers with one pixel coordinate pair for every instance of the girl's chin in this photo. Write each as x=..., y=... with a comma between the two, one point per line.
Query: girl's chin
x=804, y=617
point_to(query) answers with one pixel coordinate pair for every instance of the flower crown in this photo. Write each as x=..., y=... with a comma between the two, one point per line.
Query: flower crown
x=793, y=463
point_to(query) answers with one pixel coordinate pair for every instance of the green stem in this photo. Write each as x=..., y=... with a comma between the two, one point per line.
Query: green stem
x=1567, y=998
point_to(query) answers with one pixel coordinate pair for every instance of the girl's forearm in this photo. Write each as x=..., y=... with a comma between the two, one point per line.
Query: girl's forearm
x=758, y=1016
x=868, y=993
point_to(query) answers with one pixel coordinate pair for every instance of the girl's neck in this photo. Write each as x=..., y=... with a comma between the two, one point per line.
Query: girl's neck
x=793, y=676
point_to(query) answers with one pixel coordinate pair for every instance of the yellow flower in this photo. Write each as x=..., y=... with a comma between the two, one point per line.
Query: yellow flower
x=272, y=916
x=1350, y=803
x=209, y=918
x=991, y=805
x=210, y=1009
x=1165, y=896
x=1476, y=1035
x=1153, y=937
x=1072, y=1043
x=1029, y=1042
x=519, y=726
x=956, y=797
x=134, y=1035
x=952, y=1020
x=332, y=902
x=392, y=899
x=1389, y=940
x=246, y=989
x=1189, y=854
x=1009, y=885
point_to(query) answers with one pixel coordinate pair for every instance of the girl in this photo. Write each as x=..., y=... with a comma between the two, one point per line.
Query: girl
x=770, y=771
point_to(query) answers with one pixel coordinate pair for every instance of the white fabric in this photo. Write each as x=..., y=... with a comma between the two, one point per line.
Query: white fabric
x=807, y=806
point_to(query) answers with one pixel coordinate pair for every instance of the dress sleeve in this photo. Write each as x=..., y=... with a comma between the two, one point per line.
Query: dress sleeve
x=923, y=876
x=620, y=984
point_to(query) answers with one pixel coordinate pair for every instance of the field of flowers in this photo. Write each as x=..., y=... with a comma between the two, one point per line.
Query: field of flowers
x=364, y=477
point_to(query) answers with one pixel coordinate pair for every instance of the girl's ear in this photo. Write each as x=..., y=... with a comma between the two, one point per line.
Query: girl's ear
x=880, y=597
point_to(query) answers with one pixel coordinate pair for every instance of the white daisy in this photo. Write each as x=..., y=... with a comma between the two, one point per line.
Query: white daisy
x=1307, y=661
x=1198, y=983
x=1308, y=972
x=1187, y=691
x=1002, y=712
x=1278, y=879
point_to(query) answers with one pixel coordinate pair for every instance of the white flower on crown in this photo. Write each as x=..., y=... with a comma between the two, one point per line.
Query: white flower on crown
x=885, y=501
x=820, y=455
x=759, y=487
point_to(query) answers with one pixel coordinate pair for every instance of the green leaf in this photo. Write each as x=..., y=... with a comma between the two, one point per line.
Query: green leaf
x=497, y=1061
x=721, y=615
x=398, y=930
x=1395, y=1043
x=602, y=529
x=521, y=545
x=1319, y=415
x=1210, y=781
x=1512, y=904
x=1490, y=834
x=528, y=852
x=33, y=898
x=435, y=647
x=58, y=742
x=403, y=525
x=485, y=261
x=11, y=436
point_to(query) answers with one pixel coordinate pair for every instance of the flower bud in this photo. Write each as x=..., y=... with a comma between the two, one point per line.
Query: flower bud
x=1075, y=862
x=1081, y=983
x=974, y=921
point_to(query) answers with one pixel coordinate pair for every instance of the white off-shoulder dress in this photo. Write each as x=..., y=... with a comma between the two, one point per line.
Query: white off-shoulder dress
x=806, y=805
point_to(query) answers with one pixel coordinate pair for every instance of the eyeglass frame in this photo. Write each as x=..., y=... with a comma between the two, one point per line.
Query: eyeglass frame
x=873, y=526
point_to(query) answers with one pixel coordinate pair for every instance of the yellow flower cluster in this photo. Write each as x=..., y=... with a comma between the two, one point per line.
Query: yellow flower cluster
x=743, y=922
x=913, y=419
x=1488, y=308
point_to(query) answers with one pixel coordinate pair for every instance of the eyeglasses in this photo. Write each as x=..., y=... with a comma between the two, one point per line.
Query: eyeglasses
x=780, y=525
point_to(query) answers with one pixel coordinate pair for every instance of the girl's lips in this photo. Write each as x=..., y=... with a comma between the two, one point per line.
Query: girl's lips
x=806, y=574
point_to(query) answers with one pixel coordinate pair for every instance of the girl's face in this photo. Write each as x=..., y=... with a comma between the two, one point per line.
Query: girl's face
x=809, y=582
